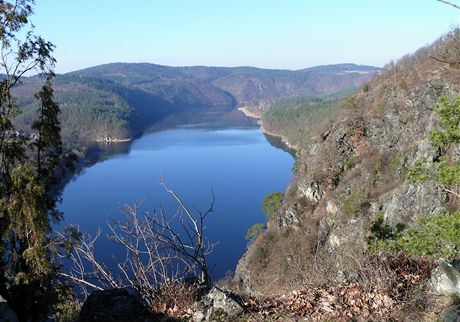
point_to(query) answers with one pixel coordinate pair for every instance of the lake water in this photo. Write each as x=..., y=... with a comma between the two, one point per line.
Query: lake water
x=238, y=163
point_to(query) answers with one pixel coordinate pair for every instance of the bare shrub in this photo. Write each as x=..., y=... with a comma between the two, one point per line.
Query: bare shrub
x=175, y=299
x=260, y=257
x=277, y=258
x=164, y=257
x=448, y=49
x=389, y=273
x=393, y=274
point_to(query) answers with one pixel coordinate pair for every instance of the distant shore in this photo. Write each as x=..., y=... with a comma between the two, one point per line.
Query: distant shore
x=258, y=117
x=250, y=114
x=114, y=140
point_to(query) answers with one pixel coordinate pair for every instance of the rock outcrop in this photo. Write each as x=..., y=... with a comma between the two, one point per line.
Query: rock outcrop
x=451, y=314
x=445, y=279
x=217, y=305
x=117, y=305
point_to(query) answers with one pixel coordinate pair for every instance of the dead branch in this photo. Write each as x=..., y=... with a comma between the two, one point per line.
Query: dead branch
x=79, y=280
x=450, y=191
x=448, y=49
x=449, y=3
x=159, y=251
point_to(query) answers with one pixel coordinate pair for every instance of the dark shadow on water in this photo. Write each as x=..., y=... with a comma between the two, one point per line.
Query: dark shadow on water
x=277, y=142
x=112, y=149
x=202, y=119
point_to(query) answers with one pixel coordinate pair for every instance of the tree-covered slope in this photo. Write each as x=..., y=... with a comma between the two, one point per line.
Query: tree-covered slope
x=251, y=85
x=168, y=83
x=120, y=100
x=94, y=108
x=246, y=84
x=288, y=117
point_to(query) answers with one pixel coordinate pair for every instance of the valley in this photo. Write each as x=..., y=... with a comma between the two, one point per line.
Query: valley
x=142, y=180
x=123, y=100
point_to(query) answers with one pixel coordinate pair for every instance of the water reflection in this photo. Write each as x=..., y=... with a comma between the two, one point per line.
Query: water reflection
x=112, y=149
x=203, y=119
x=236, y=161
x=277, y=142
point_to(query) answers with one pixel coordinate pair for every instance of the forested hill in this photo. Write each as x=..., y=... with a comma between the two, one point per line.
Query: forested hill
x=246, y=84
x=120, y=100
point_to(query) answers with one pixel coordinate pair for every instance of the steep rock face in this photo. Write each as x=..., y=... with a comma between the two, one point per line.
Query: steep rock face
x=356, y=169
x=409, y=200
x=363, y=159
x=395, y=133
x=451, y=314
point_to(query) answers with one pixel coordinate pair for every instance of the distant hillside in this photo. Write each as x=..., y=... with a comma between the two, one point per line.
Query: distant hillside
x=94, y=108
x=288, y=117
x=252, y=85
x=120, y=100
x=247, y=85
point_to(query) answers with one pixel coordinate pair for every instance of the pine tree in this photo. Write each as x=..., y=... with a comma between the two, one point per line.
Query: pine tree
x=28, y=168
x=49, y=154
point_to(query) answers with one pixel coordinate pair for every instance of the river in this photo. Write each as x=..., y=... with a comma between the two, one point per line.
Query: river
x=236, y=161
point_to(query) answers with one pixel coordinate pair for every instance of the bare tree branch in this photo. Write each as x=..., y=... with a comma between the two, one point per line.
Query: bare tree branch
x=449, y=3
x=82, y=281
x=447, y=49
x=451, y=191
x=159, y=251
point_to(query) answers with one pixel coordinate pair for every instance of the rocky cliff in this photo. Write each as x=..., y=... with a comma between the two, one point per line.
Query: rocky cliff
x=355, y=170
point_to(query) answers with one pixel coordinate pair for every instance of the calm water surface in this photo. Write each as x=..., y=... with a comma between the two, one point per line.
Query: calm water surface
x=239, y=164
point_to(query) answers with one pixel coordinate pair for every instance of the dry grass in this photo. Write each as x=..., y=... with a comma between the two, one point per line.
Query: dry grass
x=275, y=257
x=175, y=299
x=364, y=287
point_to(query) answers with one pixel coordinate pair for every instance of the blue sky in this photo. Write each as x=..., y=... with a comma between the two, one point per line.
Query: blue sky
x=287, y=34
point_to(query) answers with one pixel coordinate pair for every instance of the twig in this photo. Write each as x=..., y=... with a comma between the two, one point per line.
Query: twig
x=158, y=252
x=81, y=281
x=449, y=3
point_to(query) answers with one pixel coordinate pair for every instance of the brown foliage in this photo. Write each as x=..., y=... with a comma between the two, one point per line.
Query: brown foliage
x=380, y=289
x=276, y=256
x=175, y=299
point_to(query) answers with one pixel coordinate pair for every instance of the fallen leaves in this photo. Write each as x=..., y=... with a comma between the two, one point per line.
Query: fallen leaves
x=348, y=301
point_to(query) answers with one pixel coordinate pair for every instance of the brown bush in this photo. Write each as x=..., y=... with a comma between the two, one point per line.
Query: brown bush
x=348, y=287
x=175, y=299
x=278, y=256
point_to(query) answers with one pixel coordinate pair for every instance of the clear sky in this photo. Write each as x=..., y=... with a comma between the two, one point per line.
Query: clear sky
x=287, y=34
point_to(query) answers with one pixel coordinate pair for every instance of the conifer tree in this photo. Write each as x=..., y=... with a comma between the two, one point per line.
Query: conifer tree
x=49, y=153
x=29, y=168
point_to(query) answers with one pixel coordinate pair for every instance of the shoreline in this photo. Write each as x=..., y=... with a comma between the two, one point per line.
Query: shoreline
x=89, y=158
x=115, y=140
x=248, y=113
x=258, y=117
